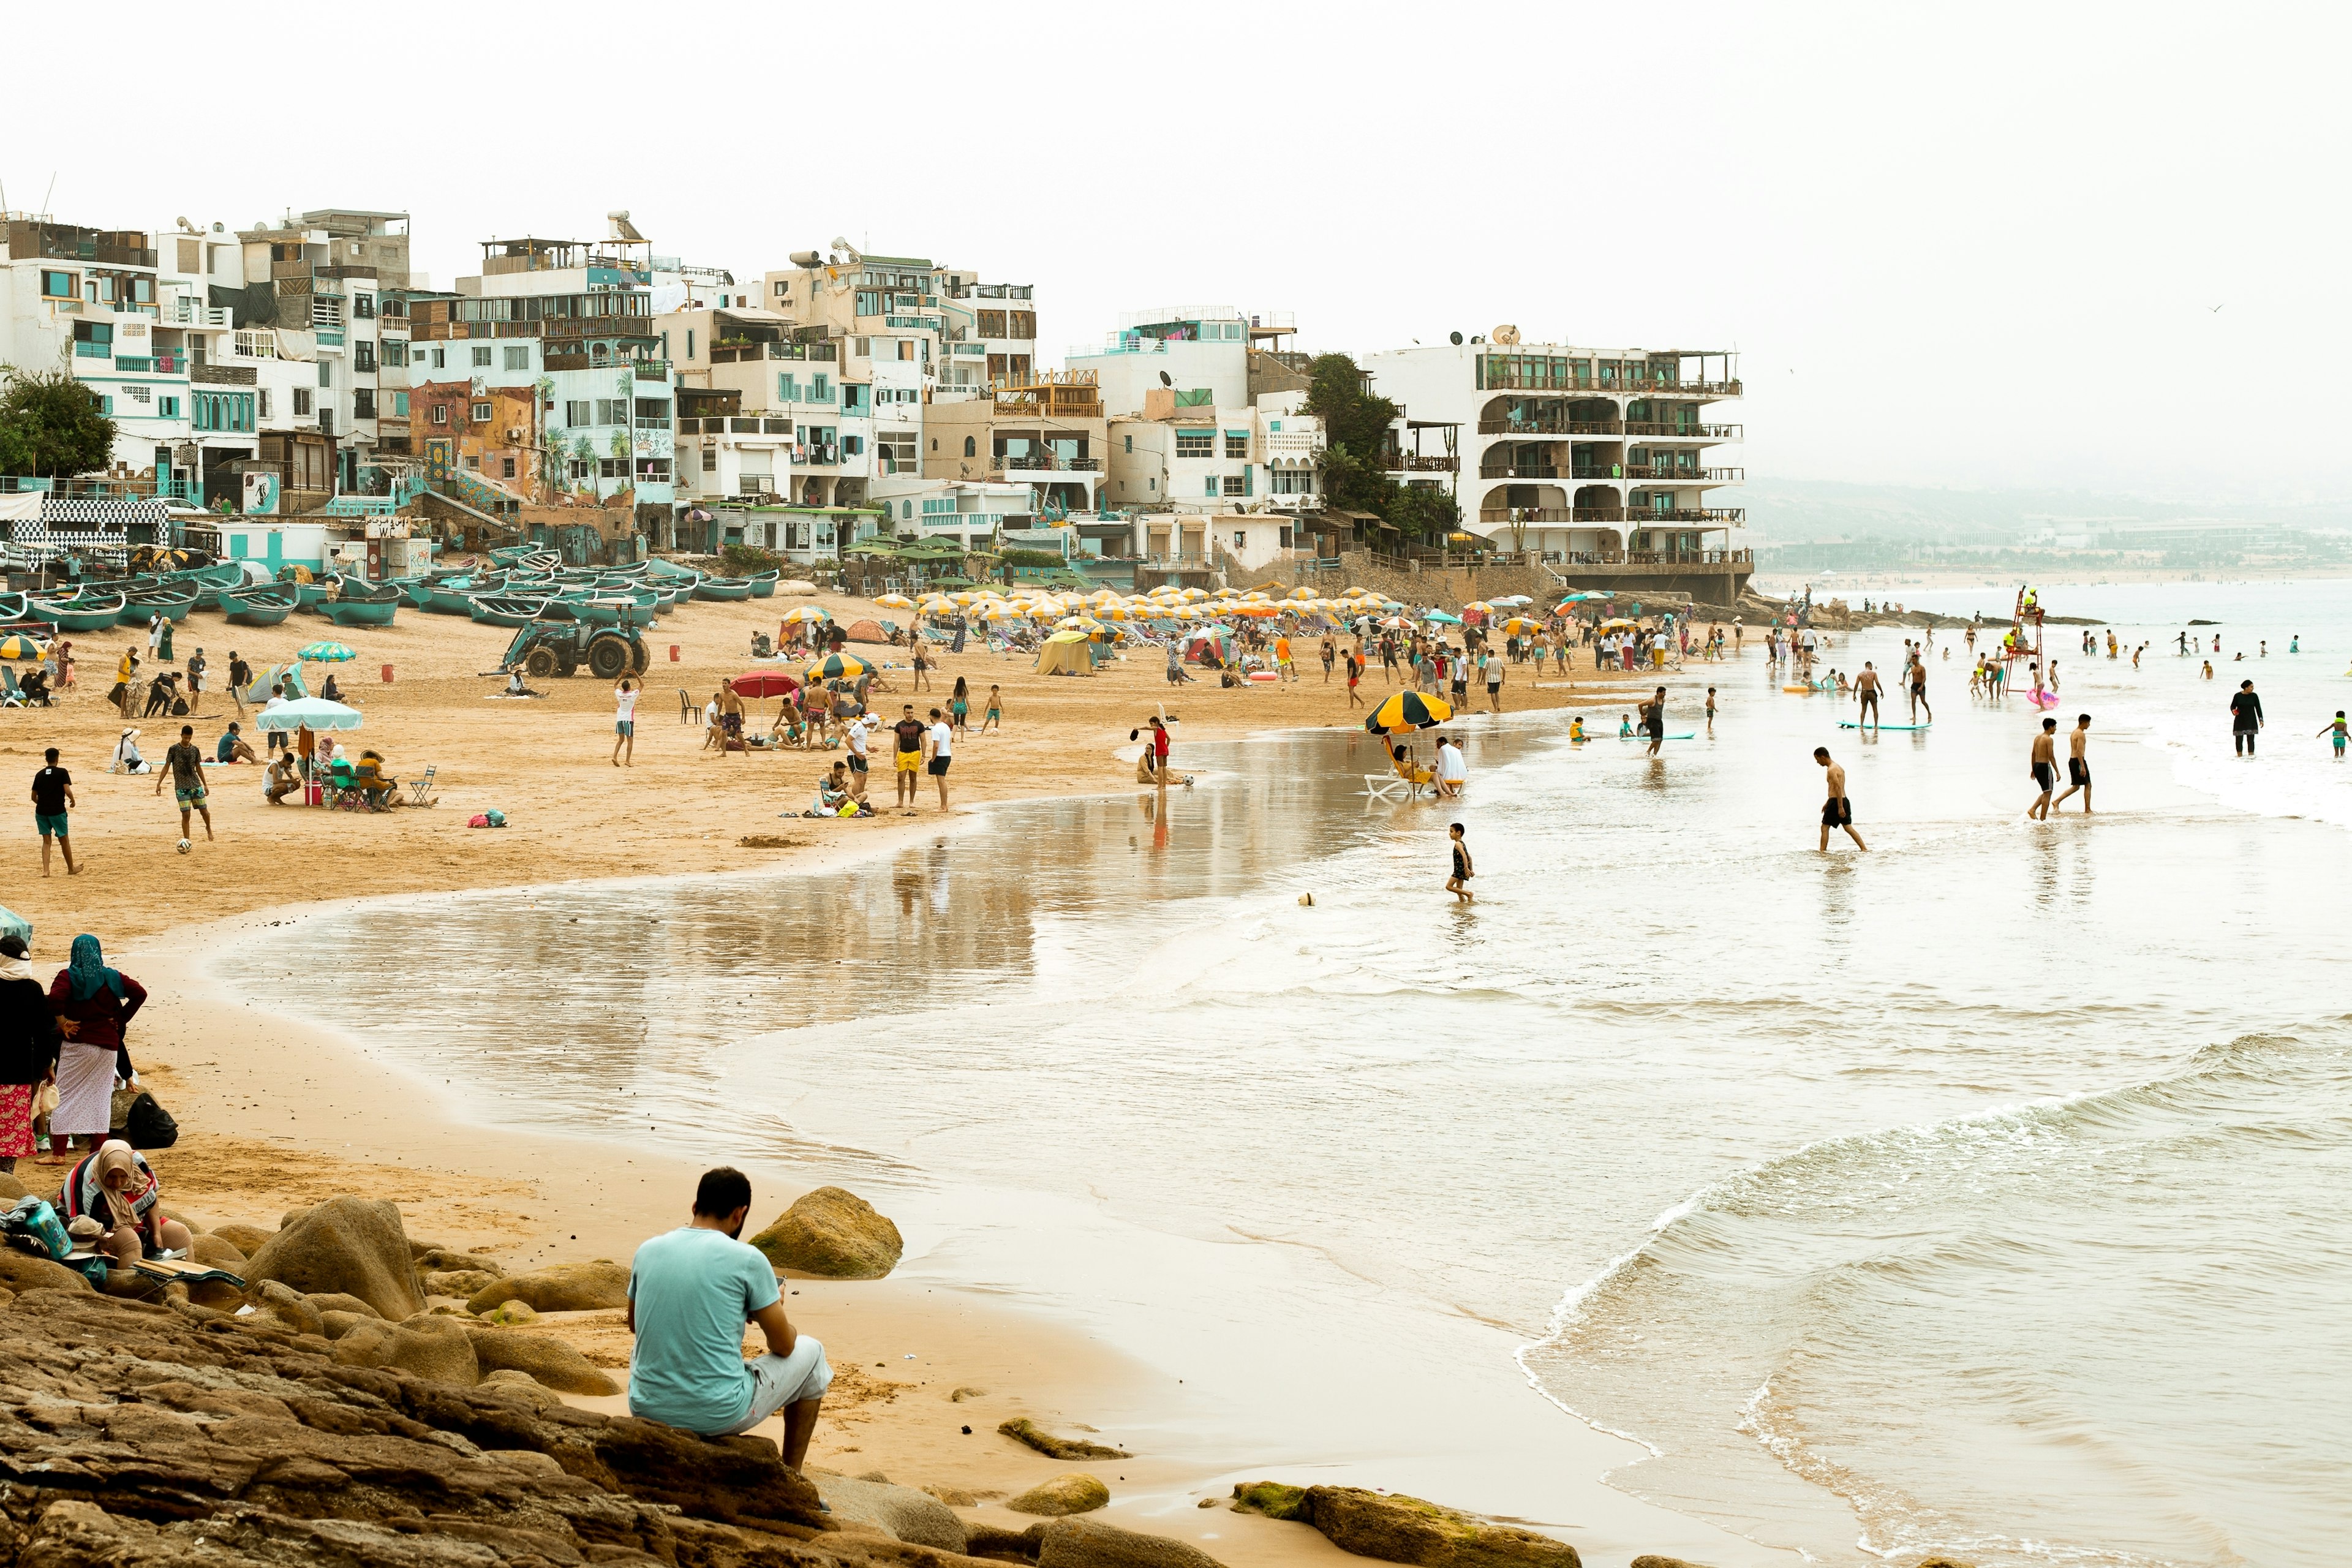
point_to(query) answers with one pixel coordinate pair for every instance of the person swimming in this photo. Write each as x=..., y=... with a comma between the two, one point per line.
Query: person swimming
x=1625, y=726
x=1575, y=728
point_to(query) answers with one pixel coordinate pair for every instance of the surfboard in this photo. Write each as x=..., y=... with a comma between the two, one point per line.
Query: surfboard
x=1637, y=735
x=1850, y=724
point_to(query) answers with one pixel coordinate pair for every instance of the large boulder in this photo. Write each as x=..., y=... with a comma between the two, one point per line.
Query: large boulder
x=835, y=1234
x=1272, y=1499
x=446, y=1355
x=459, y=1282
x=21, y=1271
x=905, y=1513
x=1090, y=1543
x=1398, y=1528
x=523, y=1387
x=247, y=1238
x=433, y=1259
x=354, y=1246
x=274, y=1301
x=548, y=1360
x=1075, y=1492
x=559, y=1288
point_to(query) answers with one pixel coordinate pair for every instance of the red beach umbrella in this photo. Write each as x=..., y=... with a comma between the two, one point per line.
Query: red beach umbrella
x=758, y=683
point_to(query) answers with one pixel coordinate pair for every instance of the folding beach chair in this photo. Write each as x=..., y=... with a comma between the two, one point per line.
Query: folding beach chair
x=420, y=790
x=11, y=695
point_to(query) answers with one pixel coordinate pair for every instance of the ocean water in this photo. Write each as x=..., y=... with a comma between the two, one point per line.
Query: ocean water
x=1985, y=1193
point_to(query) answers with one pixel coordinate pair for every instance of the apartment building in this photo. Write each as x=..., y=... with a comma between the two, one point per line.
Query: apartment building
x=970, y=512
x=787, y=430
x=1043, y=428
x=1202, y=351
x=1594, y=458
x=1242, y=457
x=541, y=378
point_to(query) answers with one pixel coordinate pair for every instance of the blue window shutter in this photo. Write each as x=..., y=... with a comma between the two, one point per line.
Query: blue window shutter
x=1249, y=480
x=1212, y=484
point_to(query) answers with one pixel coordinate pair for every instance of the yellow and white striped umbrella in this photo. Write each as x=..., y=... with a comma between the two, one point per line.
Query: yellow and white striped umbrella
x=995, y=611
x=806, y=614
x=1300, y=593
x=896, y=602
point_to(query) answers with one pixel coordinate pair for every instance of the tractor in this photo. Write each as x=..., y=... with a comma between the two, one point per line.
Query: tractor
x=557, y=647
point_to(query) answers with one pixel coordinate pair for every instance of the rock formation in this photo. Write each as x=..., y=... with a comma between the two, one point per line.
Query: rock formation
x=835, y=1234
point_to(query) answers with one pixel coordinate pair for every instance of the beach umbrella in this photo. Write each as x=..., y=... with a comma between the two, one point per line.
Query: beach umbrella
x=22, y=647
x=1512, y=601
x=1441, y=617
x=1301, y=594
x=316, y=712
x=1617, y=623
x=995, y=613
x=761, y=683
x=1408, y=710
x=806, y=614
x=836, y=666
x=1080, y=624
x=1519, y=626
x=1479, y=607
x=328, y=653
x=896, y=602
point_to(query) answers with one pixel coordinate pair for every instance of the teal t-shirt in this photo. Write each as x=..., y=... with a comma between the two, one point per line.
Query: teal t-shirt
x=695, y=1290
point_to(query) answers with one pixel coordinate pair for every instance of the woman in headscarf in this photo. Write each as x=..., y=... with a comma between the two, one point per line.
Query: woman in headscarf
x=93, y=1004
x=28, y=1048
x=115, y=1187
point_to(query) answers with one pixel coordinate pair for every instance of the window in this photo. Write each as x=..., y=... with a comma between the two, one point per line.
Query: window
x=326, y=373
x=364, y=356
x=612, y=467
x=1236, y=444
x=611, y=411
x=577, y=467
x=653, y=468
x=710, y=459
x=1025, y=324
x=479, y=414
x=1241, y=540
x=57, y=285
x=364, y=403
x=862, y=347
x=819, y=388
x=1237, y=484
x=1130, y=443
x=167, y=407
x=1213, y=485
x=971, y=447
x=506, y=467
x=689, y=342
x=788, y=389
x=1196, y=442
x=440, y=359
x=364, y=307
x=576, y=411
x=906, y=348
x=400, y=406
x=301, y=401
x=853, y=445
x=262, y=401
x=652, y=412
x=783, y=288
x=481, y=356
x=517, y=356
x=440, y=414
x=106, y=407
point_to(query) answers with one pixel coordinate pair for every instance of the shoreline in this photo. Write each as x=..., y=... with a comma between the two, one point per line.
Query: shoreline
x=1056, y=1366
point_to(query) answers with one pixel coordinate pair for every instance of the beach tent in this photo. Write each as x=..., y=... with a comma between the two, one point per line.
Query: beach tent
x=866, y=631
x=1065, y=653
x=12, y=924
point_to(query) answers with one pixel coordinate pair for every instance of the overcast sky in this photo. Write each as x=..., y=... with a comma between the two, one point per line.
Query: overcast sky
x=1959, y=246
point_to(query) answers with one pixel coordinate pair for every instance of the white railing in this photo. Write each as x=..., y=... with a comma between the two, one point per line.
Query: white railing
x=188, y=313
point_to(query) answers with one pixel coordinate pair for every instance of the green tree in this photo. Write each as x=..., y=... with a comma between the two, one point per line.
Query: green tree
x=51, y=424
x=1356, y=425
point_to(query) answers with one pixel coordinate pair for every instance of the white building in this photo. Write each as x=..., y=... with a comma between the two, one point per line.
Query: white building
x=1582, y=454
x=970, y=512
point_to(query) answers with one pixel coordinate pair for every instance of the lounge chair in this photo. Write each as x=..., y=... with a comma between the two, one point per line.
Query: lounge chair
x=11, y=694
x=420, y=790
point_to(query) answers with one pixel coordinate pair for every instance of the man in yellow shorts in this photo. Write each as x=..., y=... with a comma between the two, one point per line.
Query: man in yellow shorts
x=909, y=732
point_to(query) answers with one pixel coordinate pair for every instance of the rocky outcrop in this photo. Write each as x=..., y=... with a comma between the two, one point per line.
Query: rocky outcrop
x=1076, y=1492
x=353, y=1246
x=215, y=1252
x=459, y=1282
x=1652, y=1560
x=130, y=1433
x=247, y=1238
x=510, y=1314
x=835, y=1234
x=1398, y=1528
x=1027, y=1431
x=559, y=1288
x=1271, y=1499
x=905, y=1513
x=437, y=1348
x=545, y=1359
x=21, y=1271
x=1090, y=1543
x=283, y=1304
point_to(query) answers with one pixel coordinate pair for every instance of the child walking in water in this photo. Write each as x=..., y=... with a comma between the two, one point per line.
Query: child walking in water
x=2335, y=731
x=1458, y=884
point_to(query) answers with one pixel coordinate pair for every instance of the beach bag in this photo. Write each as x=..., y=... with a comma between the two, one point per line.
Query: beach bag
x=488, y=819
x=36, y=1221
x=140, y=1120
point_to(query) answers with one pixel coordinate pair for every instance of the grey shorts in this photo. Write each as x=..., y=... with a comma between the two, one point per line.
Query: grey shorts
x=778, y=1381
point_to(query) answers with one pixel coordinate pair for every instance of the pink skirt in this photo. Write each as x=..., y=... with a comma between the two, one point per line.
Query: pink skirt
x=15, y=1120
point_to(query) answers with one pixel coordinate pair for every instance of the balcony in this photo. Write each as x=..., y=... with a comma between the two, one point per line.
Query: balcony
x=186, y=312
x=651, y=370
x=1549, y=424
x=87, y=349
x=1683, y=432
x=1046, y=462
x=742, y=351
x=1659, y=471
x=63, y=242
x=1521, y=471
x=1295, y=503
x=1421, y=463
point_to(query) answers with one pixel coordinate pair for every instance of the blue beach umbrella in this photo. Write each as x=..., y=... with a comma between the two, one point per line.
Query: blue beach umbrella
x=315, y=712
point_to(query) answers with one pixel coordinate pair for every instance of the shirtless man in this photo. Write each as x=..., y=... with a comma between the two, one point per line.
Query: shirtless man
x=2045, y=770
x=1919, y=691
x=1865, y=688
x=2078, y=766
x=1837, y=811
x=730, y=717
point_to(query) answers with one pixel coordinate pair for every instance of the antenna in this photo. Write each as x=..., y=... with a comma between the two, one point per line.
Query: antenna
x=48, y=193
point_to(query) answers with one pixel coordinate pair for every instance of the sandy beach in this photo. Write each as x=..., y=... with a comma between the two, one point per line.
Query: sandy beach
x=281, y=1106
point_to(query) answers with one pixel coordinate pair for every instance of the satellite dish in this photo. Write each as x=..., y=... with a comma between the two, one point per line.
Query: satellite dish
x=1505, y=334
x=1457, y=340
x=1164, y=381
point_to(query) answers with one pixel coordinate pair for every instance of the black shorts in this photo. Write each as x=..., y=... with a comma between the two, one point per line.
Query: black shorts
x=940, y=767
x=2078, y=773
x=856, y=763
x=1838, y=812
x=2044, y=774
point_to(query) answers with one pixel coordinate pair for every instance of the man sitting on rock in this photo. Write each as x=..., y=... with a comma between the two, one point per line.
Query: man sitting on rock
x=690, y=1293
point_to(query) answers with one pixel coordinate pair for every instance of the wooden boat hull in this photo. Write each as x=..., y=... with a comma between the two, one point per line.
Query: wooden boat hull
x=360, y=613
x=763, y=584
x=723, y=590
x=256, y=607
x=84, y=617
x=499, y=610
x=175, y=608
